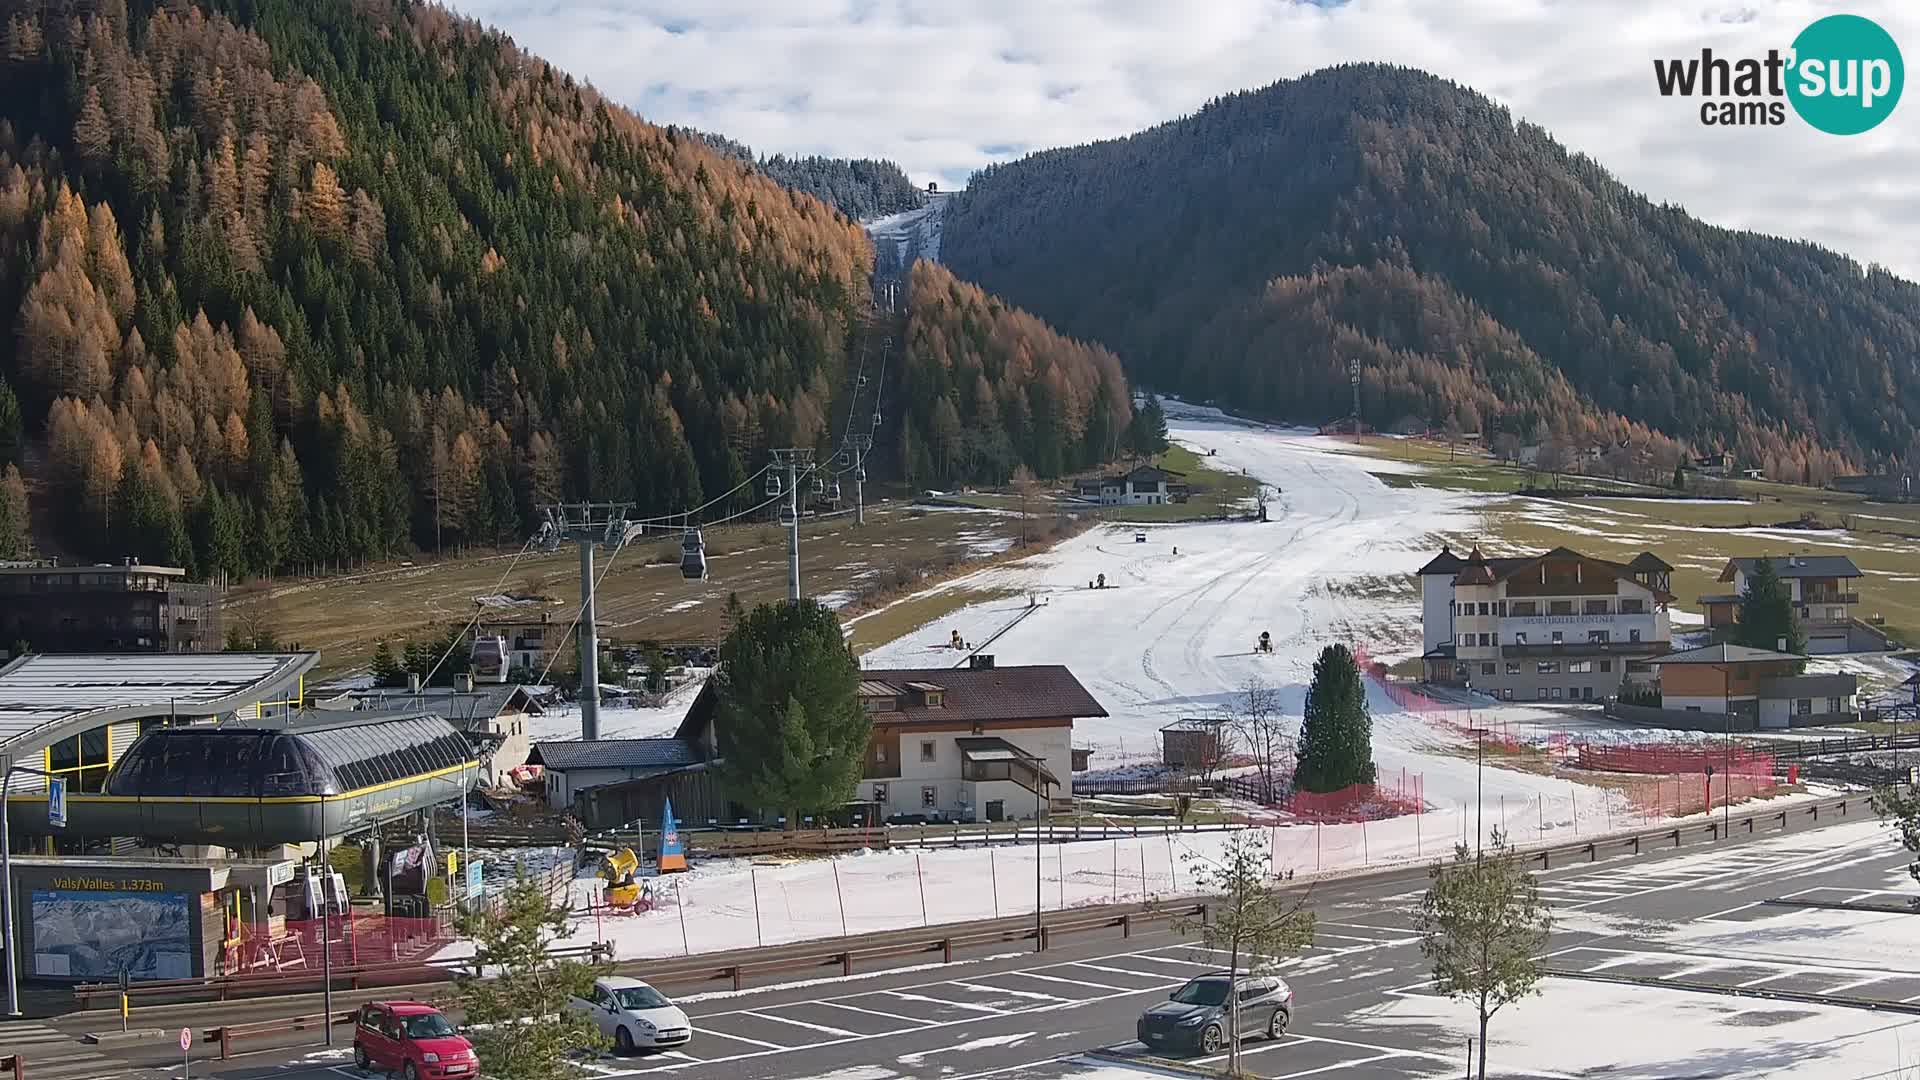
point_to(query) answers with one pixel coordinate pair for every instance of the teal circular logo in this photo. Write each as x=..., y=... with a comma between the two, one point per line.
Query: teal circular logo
x=1846, y=75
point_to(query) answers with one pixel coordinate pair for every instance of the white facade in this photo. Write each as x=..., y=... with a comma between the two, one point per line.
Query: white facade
x=929, y=779
x=1436, y=610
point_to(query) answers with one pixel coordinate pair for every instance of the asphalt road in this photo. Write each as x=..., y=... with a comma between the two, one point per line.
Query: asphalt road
x=1015, y=1013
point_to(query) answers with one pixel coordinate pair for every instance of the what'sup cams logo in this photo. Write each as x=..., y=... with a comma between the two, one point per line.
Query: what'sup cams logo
x=1843, y=76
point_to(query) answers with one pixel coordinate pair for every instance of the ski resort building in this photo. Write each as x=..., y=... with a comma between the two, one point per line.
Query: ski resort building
x=1824, y=597
x=111, y=607
x=1560, y=626
x=1146, y=485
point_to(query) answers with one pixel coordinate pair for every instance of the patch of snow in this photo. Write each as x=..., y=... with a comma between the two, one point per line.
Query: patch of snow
x=685, y=605
x=982, y=1043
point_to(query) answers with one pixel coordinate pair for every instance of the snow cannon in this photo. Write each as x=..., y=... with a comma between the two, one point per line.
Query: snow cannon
x=620, y=869
x=1266, y=642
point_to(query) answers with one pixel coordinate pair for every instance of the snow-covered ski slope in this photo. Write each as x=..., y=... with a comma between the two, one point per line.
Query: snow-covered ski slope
x=899, y=239
x=1172, y=636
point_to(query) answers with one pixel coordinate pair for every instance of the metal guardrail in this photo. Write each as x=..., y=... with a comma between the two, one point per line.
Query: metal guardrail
x=354, y=977
x=228, y=1034
x=1003, y=930
x=1802, y=749
x=735, y=967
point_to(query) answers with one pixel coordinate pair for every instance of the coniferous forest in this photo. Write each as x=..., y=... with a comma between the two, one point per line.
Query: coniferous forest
x=1479, y=273
x=307, y=282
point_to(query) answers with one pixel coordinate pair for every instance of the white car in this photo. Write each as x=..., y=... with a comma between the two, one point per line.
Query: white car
x=634, y=1015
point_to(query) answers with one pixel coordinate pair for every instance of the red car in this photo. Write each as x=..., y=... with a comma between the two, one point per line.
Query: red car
x=412, y=1039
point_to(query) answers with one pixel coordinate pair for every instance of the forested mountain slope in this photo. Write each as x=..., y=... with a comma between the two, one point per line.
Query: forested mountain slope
x=988, y=387
x=861, y=188
x=1476, y=270
x=298, y=282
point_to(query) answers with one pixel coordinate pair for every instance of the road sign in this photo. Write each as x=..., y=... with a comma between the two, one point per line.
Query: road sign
x=186, y=1039
x=57, y=802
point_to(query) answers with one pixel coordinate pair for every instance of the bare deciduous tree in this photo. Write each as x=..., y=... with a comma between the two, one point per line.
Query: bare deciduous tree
x=1259, y=724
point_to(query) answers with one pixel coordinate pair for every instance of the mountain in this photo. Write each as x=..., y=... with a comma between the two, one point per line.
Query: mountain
x=1476, y=271
x=988, y=387
x=302, y=283
x=861, y=188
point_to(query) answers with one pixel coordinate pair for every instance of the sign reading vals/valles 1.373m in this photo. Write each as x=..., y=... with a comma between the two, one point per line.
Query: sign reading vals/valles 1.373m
x=1842, y=75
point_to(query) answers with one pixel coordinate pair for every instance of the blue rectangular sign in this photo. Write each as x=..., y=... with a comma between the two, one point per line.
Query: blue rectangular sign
x=57, y=802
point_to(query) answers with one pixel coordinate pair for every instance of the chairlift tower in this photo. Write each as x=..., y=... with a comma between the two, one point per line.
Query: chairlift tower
x=793, y=460
x=586, y=524
x=862, y=445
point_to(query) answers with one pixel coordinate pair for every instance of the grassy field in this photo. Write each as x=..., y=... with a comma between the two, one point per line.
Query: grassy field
x=1697, y=538
x=641, y=596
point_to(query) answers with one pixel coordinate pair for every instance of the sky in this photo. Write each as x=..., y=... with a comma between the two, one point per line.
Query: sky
x=944, y=87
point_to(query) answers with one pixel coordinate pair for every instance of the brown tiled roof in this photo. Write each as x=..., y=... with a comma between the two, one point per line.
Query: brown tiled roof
x=1036, y=692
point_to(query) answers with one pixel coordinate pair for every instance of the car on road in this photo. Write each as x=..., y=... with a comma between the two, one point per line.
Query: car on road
x=1194, y=1017
x=412, y=1039
x=634, y=1015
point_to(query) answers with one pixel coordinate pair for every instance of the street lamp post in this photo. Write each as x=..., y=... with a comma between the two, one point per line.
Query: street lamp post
x=1479, y=782
x=8, y=930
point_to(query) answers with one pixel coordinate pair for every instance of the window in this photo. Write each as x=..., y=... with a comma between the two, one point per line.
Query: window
x=928, y=751
x=1803, y=707
x=1633, y=635
x=879, y=753
x=1579, y=667
x=1606, y=665
x=1520, y=638
x=1693, y=708
x=1556, y=693
x=1500, y=608
x=1483, y=609
x=1833, y=705
x=1559, y=637
x=1836, y=613
x=880, y=793
x=1599, y=637
x=1586, y=693
x=1466, y=640
x=1633, y=607
x=1486, y=640
x=1507, y=694
x=1805, y=614
x=1543, y=693
x=1525, y=608
x=1513, y=667
x=1559, y=607
x=1597, y=607
x=1547, y=667
x=1488, y=669
x=929, y=796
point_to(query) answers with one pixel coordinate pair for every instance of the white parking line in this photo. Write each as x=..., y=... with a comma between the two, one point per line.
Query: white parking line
x=1766, y=979
x=1122, y=971
x=1069, y=982
x=1171, y=960
x=1850, y=985
x=1340, y=1065
x=744, y=1039
x=799, y=1023
x=1002, y=990
x=869, y=1012
x=904, y=996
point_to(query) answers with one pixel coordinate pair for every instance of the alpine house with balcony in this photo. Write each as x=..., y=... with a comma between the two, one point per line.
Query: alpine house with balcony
x=1825, y=598
x=1560, y=626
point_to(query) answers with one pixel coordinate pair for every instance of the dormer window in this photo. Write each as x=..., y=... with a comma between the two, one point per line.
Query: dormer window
x=928, y=695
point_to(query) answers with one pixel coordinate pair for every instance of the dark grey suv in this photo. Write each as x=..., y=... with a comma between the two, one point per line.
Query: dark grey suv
x=1194, y=1017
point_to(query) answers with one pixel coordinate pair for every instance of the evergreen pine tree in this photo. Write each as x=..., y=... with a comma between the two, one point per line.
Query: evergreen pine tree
x=12, y=426
x=1679, y=477
x=1766, y=612
x=1336, y=731
x=791, y=730
x=385, y=669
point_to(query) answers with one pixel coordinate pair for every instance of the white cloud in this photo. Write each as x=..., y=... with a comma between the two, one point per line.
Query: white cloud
x=946, y=86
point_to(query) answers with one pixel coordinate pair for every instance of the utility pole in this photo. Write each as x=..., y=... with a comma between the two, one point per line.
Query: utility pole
x=792, y=459
x=586, y=524
x=862, y=445
x=1353, y=373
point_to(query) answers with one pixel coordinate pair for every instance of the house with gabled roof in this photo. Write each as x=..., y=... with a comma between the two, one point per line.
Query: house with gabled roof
x=1557, y=626
x=1825, y=595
